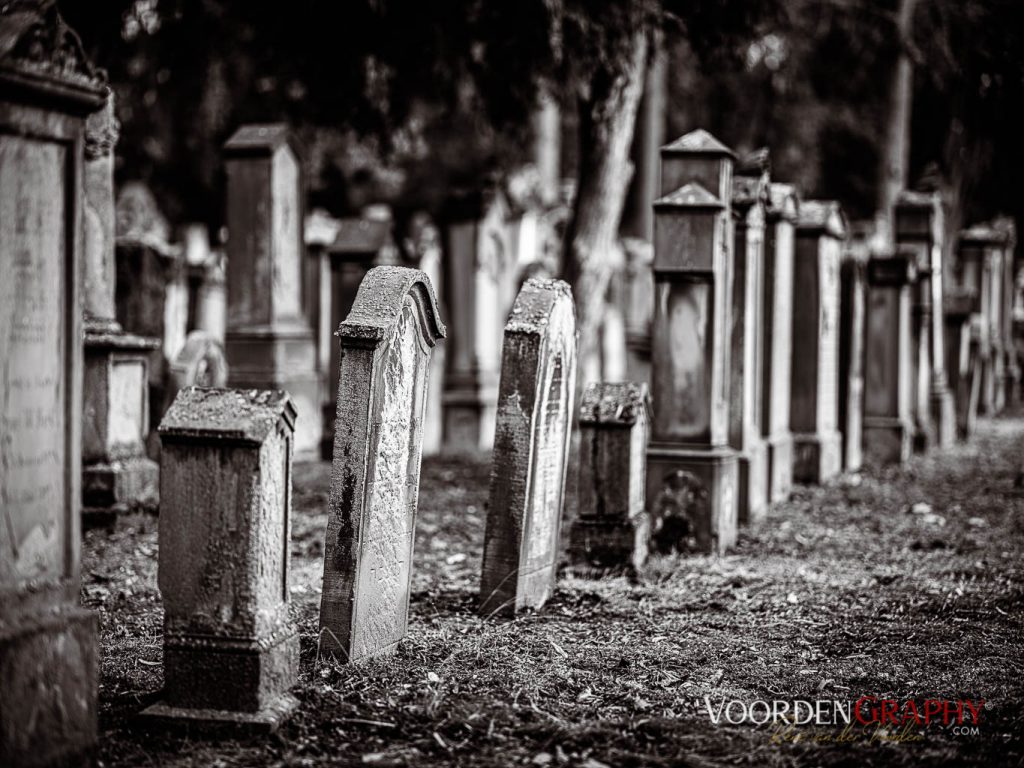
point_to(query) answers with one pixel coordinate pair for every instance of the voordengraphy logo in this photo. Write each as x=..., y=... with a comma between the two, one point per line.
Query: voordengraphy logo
x=867, y=711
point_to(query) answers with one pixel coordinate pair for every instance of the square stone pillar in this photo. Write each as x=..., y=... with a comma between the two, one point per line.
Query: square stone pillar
x=612, y=529
x=230, y=650
x=782, y=214
x=1010, y=372
x=746, y=381
x=919, y=225
x=116, y=475
x=852, y=321
x=972, y=275
x=268, y=343
x=692, y=472
x=814, y=403
x=962, y=361
x=888, y=397
x=48, y=646
x=479, y=288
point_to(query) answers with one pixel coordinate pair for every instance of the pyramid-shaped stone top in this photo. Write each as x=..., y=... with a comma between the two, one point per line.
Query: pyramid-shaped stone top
x=615, y=403
x=691, y=195
x=698, y=142
x=260, y=139
x=201, y=414
x=783, y=202
x=822, y=217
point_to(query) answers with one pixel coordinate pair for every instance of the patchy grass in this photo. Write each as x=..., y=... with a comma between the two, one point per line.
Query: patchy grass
x=843, y=591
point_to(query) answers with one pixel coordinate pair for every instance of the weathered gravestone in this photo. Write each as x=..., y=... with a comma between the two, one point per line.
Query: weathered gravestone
x=269, y=343
x=612, y=528
x=783, y=210
x=48, y=647
x=747, y=353
x=919, y=225
x=386, y=342
x=531, y=449
x=426, y=244
x=971, y=275
x=888, y=420
x=230, y=651
x=1012, y=374
x=691, y=470
x=479, y=270
x=814, y=405
x=962, y=363
x=117, y=474
x=852, y=321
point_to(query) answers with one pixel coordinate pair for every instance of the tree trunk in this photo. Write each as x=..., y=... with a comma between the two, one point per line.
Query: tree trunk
x=607, y=115
x=896, y=149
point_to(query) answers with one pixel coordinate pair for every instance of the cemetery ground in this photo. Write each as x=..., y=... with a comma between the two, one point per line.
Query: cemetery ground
x=900, y=584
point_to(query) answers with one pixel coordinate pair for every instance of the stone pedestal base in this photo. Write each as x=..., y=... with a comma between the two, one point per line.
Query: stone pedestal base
x=227, y=684
x=120, y=486
x=943, y=410
x=48, y=682
x=281, y=359
x=696, y=486
x=610, y=544
x=887, y=440
x=780, y=467
x=221, y=721
x=817, y=457
x=753, y=484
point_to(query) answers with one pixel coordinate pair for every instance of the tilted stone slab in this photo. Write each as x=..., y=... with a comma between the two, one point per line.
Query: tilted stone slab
x=386, y=343
x=531, y=449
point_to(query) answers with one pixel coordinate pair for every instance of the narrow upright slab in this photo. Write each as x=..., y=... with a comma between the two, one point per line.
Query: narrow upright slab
x=386, y=342
x=531, y=449
x=612, y=528
x=852, y=319
x=230, y=650
x=48, y=647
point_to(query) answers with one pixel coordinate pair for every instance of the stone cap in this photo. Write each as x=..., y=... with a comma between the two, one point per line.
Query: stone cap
x=534, y=302
x=202, y=414
x=261, y=139
x=747, y=191
x=615, y=403
x=41, y=58
x=958, y=305
x=897, y=268
x=783, y=202
x=361, y=235
x=983, y=234
x=698, y=142
x=911, y=199
x=692, y=195
x=822, y=217
x=379, y=302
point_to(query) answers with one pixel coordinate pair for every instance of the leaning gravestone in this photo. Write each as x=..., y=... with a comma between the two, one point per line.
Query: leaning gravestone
x=386, y=342
x=230, y=651
x=612, y=528
x=48, y=650
x=531, y=449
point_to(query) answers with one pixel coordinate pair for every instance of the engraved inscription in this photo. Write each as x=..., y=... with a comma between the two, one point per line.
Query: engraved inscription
x=32, y=355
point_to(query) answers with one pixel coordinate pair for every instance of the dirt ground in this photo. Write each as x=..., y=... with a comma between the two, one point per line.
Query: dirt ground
x=902, y=584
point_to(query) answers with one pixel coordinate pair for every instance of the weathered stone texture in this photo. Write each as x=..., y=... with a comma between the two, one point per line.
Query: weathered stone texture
x=531, y=448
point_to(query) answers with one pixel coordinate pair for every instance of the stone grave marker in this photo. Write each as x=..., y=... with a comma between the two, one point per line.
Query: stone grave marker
x=531, y=449
x=1012, y=374
x=268, y=342
x=814, y=405
x=386, y=342
x=117, y=475
x=48, y=645
x=782, y=214
x=888, y=420
x=852, y=318
x=230, y=651
x=692, y=481
x=961, y=361
x=612, y=528
x=972, y=276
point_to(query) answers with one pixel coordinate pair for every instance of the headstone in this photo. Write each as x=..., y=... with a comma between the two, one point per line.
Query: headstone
x=782, y=214
x=230, y=650
x=747, y=353
x=386, y=342
x=692, y=474
x=962, y=361
x=207, y=296
x=269, y=343
x=531, y=449
x=852, y=323
x=479, y=287
x=612, y=529
x=888, y=404
x=116, y=475
x=972, y=275
x=1009, y=386
x=638, y=306
x=426, y=244
x=360, y=244
x=814, y=404
x=919, y=225
x=48, y=646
